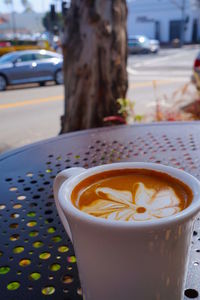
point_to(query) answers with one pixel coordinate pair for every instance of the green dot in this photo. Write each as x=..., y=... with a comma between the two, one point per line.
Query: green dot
x=34, y=276
x=1, y=253
x=55, y=267
x=77, y=156
x=48, y=290
x=13, y=286
x=33, y=233
x=48, y=170
x=56, y=239
x=18, y=250
x=45, y=255
x=71, y=259
x=38, y=244
x=63, y=249
x=51, y=230
x=4, y=270
x=31, y=214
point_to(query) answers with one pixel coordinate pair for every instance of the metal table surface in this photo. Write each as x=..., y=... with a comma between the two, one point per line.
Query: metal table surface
x=36, y=257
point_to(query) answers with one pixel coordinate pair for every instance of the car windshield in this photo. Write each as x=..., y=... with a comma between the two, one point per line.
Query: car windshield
x=10, y=57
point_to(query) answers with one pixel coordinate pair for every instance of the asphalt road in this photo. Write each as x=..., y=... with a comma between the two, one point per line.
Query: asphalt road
x=31, y=113
x=169, y=71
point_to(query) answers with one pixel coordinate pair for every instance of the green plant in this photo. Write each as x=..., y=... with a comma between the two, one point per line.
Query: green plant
x=126, y=113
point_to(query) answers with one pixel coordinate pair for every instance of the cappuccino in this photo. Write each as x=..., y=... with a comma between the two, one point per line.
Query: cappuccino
x=131, y=195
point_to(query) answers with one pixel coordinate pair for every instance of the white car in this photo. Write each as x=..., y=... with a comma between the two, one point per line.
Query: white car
x=141, y=44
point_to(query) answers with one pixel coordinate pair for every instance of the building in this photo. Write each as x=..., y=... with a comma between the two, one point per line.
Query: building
x=163, y=19
x=27, y=22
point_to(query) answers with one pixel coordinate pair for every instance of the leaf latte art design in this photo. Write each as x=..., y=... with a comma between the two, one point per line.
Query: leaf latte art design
x=147, y=204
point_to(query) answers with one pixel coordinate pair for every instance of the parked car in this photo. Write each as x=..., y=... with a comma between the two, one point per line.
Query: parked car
x=141, y=44
x=196, y=72
x=30, y=66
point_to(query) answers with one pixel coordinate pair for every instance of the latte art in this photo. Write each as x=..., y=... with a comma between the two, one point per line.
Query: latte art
x=131, y=195
x=120, y=205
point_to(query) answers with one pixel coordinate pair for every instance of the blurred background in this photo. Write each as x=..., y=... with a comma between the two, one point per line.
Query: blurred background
x=163, y=65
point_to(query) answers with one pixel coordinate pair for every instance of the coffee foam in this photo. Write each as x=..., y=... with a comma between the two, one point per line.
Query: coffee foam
x=144, y=204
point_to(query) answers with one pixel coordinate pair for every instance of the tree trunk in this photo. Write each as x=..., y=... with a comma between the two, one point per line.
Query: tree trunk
x=95, y=58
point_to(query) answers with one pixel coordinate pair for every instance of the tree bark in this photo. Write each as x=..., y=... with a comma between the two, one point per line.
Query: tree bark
x=95, y=59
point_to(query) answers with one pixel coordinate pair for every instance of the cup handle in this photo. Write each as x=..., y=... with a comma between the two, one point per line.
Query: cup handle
x=60, y=178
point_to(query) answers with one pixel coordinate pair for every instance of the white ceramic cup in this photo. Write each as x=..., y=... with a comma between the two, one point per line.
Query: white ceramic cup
x=119, y=260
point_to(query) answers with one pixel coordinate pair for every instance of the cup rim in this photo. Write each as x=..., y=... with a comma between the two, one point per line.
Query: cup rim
x=70, y=210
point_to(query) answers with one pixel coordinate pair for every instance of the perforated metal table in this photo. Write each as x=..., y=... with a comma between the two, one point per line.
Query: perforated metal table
x=36, y=257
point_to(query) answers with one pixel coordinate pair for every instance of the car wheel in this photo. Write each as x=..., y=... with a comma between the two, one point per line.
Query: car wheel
x=3, y=83
x=42, y=83
x=59, y=77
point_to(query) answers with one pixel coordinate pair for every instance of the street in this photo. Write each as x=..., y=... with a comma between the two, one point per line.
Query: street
x=31, y=113
x=171, y=69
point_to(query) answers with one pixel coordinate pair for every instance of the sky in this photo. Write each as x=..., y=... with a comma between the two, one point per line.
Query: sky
x=37, y=5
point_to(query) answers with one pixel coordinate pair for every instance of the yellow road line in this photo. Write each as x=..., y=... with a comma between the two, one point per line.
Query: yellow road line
x=31, y=102
x=61, y=97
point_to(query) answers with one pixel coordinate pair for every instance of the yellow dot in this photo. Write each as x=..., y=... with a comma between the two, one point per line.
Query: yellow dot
x=17, y=206
x=31, y=224
x=71, y=259
x=38, y=244
x=67, y=279
x=18, y=250
x=51, y=230
x=14, y=237
x=45, y=255
x=55, y=267
x=21, y=197
x=34, y=276
x=25, y=262
x=63, y=249
x=48, y=290
x=13, y=189
x=29, y=174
